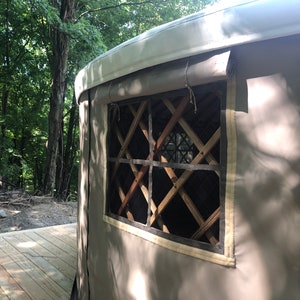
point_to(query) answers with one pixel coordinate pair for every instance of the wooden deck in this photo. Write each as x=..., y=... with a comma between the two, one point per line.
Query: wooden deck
x=38, y=263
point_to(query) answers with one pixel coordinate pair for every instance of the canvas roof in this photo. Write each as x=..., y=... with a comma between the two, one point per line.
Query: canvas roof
x=206, y=31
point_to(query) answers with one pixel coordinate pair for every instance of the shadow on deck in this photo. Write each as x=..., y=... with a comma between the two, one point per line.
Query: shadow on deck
x=38, y=263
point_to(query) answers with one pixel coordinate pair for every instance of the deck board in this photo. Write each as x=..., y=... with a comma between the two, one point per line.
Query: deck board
x=9, y=286
x=38, y=263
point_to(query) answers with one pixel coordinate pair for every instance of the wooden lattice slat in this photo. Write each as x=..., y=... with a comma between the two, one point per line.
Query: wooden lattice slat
x=190, y=204
x=122, y=197
x=186, y=174
x=172, y=122
x=192, y=135
x=142, y=186
x=129, y=136
x=207, y=224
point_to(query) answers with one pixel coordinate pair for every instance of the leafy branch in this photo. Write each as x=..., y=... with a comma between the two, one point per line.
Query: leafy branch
x=112, y=7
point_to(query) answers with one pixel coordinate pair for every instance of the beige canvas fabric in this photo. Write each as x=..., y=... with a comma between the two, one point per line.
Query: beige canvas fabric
x=168, y=77
x=263, y=117
x=266, y=201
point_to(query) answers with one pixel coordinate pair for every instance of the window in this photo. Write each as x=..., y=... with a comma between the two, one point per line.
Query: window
x=166, y=162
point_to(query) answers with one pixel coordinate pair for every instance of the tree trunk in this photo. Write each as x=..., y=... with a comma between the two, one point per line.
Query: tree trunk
x=60, y=60
x=69, y=156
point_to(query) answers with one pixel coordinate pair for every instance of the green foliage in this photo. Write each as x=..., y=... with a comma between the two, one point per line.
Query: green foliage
x=25, y=79
x=28, y=31
x=10, y=169
x=123, y=22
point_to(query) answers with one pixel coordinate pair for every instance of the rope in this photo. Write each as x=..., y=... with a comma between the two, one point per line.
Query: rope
x=187, y=85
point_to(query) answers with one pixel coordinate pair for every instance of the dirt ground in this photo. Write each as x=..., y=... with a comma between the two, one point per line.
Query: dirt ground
x=21, y=211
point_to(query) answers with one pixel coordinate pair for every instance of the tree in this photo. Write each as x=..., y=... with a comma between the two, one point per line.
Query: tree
x=24, y=77
x=46, y=42
x=59, y=61
x=121, y=17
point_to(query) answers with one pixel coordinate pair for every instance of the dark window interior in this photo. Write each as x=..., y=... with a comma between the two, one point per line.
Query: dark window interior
x=164, y=162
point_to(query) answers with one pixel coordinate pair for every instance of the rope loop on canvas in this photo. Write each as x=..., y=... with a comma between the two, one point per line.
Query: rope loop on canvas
x=187, y=85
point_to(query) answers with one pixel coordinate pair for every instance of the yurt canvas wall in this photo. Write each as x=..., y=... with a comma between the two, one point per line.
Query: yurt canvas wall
x=190, y=176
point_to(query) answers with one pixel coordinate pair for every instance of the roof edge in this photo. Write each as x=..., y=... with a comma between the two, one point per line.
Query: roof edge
x=203, y=32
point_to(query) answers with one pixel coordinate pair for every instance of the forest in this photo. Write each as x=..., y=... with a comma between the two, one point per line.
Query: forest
x=44, y=43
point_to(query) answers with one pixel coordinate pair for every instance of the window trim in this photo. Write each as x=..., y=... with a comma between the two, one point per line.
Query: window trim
x=227, y=258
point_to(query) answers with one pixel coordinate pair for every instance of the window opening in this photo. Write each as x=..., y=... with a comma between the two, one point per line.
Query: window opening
x=164, y=164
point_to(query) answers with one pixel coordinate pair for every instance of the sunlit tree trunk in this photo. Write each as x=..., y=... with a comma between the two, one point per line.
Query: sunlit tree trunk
x=60, y=50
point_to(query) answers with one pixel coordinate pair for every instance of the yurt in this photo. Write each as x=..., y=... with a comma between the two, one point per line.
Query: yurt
x=190, y=160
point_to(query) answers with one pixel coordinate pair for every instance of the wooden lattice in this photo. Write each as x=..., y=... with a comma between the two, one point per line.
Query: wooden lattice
x=164, y=164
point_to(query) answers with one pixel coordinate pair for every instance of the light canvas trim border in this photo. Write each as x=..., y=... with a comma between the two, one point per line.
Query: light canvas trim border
x=226, y=259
